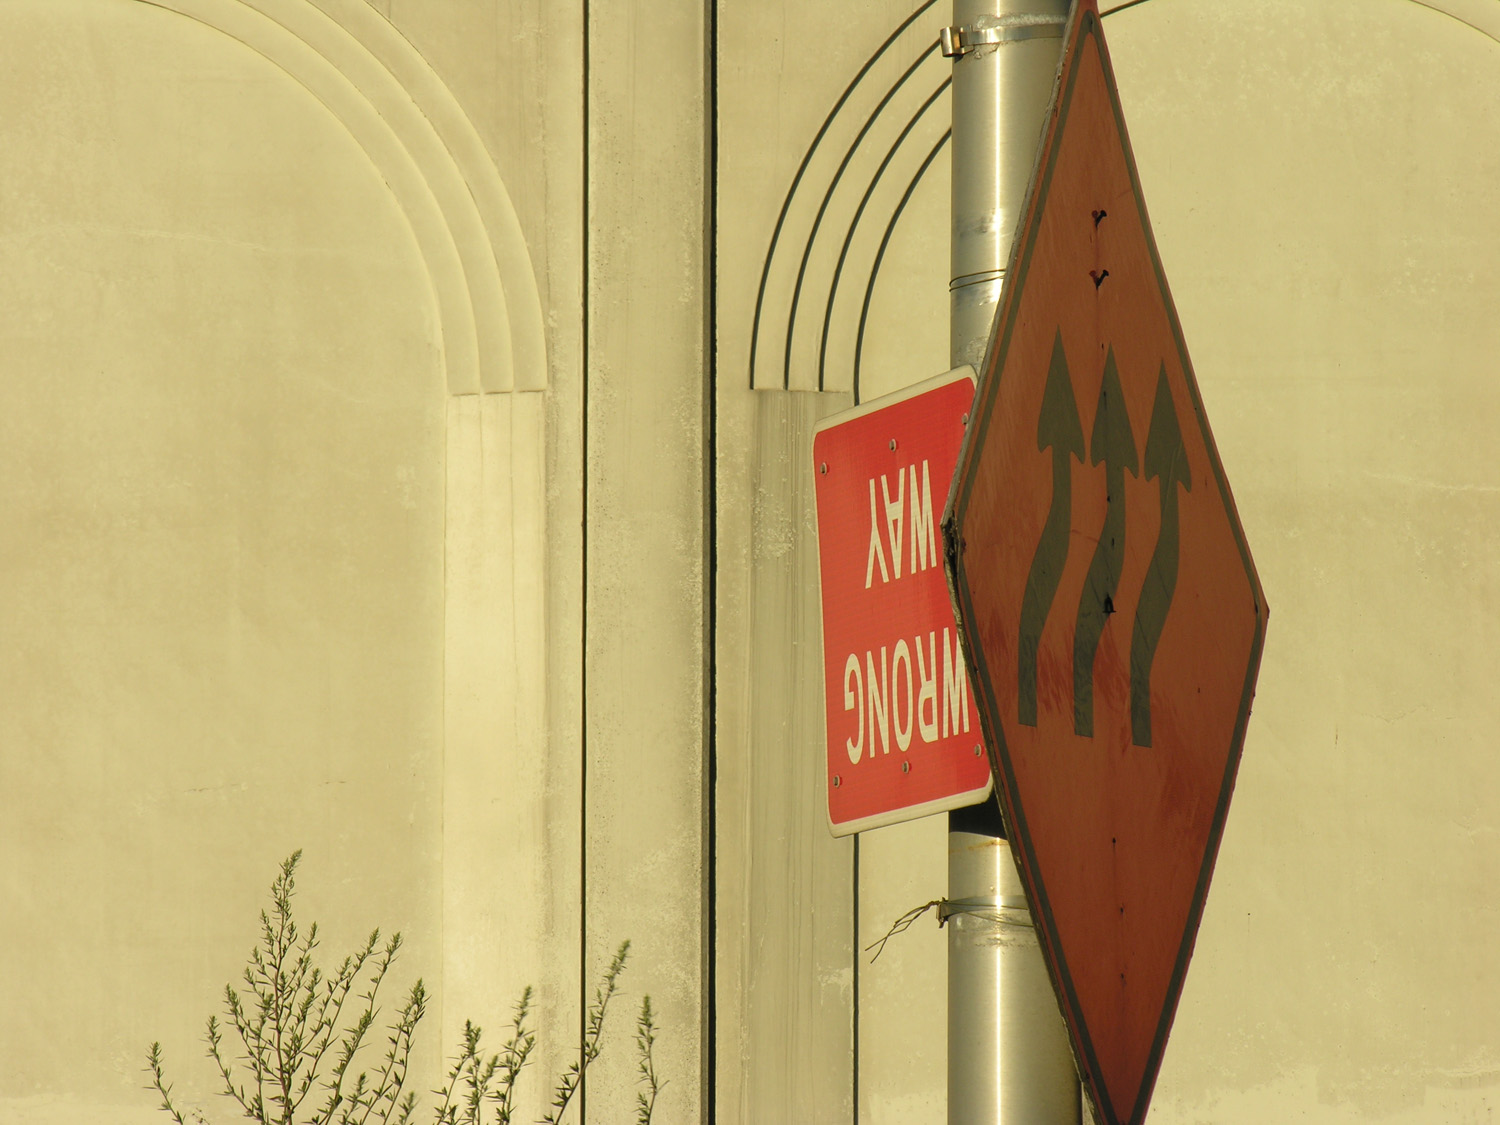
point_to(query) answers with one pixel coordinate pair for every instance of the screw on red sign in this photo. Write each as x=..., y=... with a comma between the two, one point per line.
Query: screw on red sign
x=1105, y=590
x=902, y=731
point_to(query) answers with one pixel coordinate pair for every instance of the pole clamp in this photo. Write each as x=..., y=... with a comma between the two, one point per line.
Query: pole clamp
x=959, y=41
x=1017, y=911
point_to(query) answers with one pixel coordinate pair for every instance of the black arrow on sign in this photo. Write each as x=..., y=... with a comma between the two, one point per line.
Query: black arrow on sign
x=1057, y=429
x=1113, y=444
x=1166, y=459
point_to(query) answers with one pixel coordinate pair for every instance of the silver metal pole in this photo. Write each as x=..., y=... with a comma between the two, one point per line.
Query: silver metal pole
x=1009, y=1062
x=1008, y=1056
x=1007, y=56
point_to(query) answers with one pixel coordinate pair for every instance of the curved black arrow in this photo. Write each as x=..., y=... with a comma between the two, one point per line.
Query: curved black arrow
x=1113, y=444
x=1166, y=459
x=1057, y=429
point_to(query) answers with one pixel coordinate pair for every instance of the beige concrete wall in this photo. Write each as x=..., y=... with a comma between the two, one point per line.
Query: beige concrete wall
x=224, y=387
x=272, y=584
x=1318, y=179
x=298, y=377
x=645, y=514
x=809, y=1028
x=1319, y=206
x=362, y=491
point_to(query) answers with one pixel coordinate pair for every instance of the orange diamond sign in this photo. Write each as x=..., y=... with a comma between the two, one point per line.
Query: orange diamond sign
x=1106, y=596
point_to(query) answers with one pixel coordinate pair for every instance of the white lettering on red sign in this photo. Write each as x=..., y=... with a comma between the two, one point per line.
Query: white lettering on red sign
x=873, y=694
x=882, y=694
x=910, y=521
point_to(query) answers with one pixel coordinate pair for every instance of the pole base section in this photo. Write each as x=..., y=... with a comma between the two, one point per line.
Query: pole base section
x=1009, y=1061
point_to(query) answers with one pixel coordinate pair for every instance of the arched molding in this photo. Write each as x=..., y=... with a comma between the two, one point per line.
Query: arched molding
x=809, y=324
x=425, y=148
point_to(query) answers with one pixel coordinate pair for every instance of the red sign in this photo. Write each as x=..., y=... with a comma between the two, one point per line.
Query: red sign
x=903, y=733
x=1105, y=591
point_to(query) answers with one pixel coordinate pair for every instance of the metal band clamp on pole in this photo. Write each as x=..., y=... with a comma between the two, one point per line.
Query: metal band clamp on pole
x=957, y=41
x=1013, y=910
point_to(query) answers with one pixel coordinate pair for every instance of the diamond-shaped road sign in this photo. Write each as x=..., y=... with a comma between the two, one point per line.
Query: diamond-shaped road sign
x=1107, y=599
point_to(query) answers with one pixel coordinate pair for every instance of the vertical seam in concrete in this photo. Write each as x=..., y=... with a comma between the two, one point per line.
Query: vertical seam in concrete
x=709, y=912
x=854, y=954
x=854, y=951
x=443, y=756
x=583, y=673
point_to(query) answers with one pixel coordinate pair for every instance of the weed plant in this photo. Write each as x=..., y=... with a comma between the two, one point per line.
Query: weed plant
x=645, y=1042
x=296, y=1038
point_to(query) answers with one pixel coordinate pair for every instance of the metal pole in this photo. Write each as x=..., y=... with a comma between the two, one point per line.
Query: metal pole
x=1008, y=1057
x=1009, y=1062
x=1006, y=61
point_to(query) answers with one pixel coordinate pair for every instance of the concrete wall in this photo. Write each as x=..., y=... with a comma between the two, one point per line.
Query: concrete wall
x=384, y=472
x=224, y=396
x=1318, y=215
x=1317, y=178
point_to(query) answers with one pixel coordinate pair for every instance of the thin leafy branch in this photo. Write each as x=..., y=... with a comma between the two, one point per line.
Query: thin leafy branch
x=288, y=1015
x=287, y=1047
x=513, y=1057
x=474, y=1079
x=593, y=1030
x=163, y=1087
x=645, y=1043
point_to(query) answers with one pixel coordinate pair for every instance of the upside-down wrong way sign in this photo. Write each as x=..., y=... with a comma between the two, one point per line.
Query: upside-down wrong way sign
x=1105, y=591
x=903, y=734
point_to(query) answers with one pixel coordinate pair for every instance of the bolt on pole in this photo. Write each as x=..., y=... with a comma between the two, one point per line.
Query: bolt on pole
x=1009, y=1062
